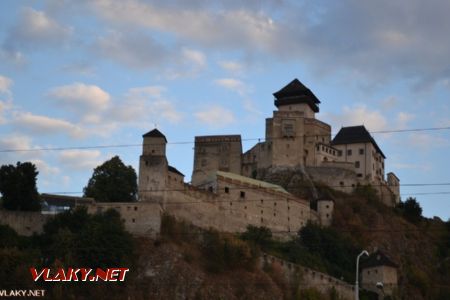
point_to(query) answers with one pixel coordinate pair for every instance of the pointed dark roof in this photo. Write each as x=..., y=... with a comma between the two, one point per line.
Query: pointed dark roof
x=174, y=170
x=353, y=135
x=295, y=92
x=378, y=259
x=155, y=133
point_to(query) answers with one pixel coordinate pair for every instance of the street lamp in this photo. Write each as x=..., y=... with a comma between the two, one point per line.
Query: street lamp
x=364, y=252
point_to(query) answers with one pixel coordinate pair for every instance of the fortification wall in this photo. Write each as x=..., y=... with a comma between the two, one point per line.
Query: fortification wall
x=309, y=278
x=230, y=212
x=24, y=222
x=140, y=218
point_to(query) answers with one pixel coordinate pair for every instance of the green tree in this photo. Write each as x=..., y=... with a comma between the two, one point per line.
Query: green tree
x=112, y=182
x=77, y=238
x=18, y=187
x=411, y=210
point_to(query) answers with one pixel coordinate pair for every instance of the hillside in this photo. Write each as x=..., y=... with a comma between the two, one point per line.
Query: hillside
x=420, y=249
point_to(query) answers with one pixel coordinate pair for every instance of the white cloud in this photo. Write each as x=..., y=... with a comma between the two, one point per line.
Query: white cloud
x=4, y=106
x=232, y=84
x=46, y=125
x=44, y=168
x=403, y=118
x=196, y=57
x=133, y=50
x=80, y=160
x=373, y=120
x=5, y=85
x=145, y=104
x=426, y=141
x=231, y=66
x=35, y=28
x=409, y=166
x=237, y=27
x=16, y=144
x=216, y=116
x=82, y=98
x=187, y=64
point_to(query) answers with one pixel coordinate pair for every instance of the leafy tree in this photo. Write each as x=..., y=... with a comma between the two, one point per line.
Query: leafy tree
x=77, y=238
x=112, y=182
x=411, y=210
x=18, y=187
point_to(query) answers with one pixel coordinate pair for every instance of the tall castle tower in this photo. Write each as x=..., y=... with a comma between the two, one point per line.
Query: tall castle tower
x=292, y=133
x=153, y=167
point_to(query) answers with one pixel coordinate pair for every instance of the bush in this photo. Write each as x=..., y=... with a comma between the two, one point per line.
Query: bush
x=261, y=236
x=225, y=252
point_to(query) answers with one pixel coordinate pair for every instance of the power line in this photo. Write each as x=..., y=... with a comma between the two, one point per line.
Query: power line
x=200, y=142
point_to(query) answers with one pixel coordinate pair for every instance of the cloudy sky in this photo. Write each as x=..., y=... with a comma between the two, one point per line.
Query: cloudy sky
x=77, y=74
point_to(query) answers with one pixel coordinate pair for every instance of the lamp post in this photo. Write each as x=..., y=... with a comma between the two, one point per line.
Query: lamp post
x=364, y=252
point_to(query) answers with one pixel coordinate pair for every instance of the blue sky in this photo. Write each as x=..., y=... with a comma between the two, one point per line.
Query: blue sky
x=87, y=73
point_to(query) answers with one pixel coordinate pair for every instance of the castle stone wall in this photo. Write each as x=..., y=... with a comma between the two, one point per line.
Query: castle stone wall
x=230, y=212
x=140, y=218
x=309, y=278
x=24, y=222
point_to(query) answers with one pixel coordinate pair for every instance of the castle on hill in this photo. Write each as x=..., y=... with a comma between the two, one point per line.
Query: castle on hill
x=294, y=138
x=226, y=191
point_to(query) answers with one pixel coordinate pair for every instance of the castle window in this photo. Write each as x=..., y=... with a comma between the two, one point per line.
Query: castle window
x=262, y=201
x=356, y=164
x=262, y=211
x=341, y=183
x=349, y=152
x=242, y=194
x=328, y=216
x=133, y=220
x=359, y=175
x=274, y=214
x=274, y=204
x=245, y=207
x=146, y=163
x=227, y=190
x=153, y=150
x=327, y=206
x=289, y=208
x=361, y=151
x=210, y=189
x=262, y=220
x=135, y=208
x=231, y=203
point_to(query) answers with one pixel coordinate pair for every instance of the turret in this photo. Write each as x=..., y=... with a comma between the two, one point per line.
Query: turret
x=153, y=167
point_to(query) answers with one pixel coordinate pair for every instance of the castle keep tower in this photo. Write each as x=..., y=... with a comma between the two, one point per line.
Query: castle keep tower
x=291, y=134
x=153, y=167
